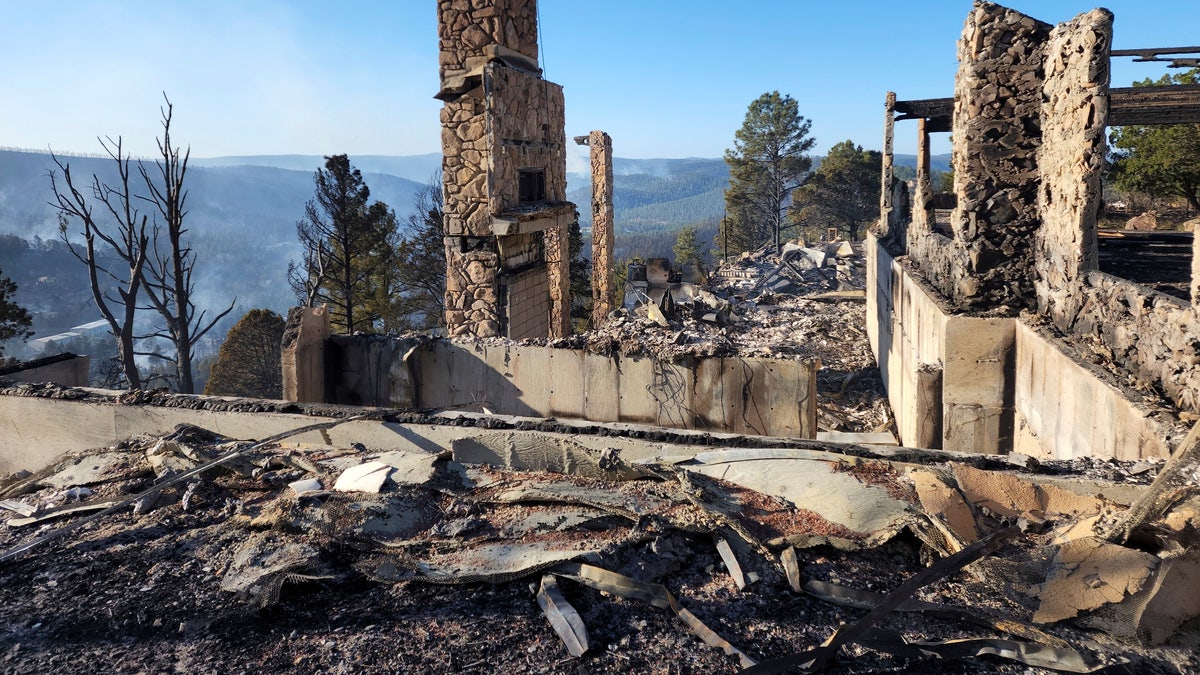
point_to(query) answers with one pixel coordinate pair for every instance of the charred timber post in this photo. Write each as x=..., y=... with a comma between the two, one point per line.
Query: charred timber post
x=923, y=216
x=603, y=235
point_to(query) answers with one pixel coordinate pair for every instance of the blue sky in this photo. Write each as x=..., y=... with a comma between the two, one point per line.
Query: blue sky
x=666, y=78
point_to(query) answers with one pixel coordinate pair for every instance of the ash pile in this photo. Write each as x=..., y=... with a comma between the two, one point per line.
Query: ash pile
x=806, y=304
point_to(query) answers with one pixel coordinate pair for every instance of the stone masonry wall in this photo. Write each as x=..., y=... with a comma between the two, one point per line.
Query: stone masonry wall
x=499, y=117
x=997, y=133
x=603, y=226
x=526, y=130
x=1071, y=158
x=1155, y=338
x=466, y=27
x=558, y=279
x=472, y=295
x=464, y=167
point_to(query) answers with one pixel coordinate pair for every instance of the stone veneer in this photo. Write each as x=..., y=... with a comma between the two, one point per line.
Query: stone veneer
x=997, y=133
x=603, y=226
x=499, y=118
x=467, y=27
x=1071, y=158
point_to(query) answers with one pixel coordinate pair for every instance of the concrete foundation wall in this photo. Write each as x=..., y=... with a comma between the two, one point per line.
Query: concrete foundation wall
x=1068, y=409
x=752, y=396
x=918, y=342
x=72, y=425
x=1004, y=385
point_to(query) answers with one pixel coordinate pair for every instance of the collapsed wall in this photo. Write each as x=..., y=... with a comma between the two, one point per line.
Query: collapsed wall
x=504, y=175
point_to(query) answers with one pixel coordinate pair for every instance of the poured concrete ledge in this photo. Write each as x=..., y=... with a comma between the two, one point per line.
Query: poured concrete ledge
x=1068, y=409
x=39, y=423
x=770, y=397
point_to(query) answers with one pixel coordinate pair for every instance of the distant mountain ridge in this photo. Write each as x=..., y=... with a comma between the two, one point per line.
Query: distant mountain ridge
x=416, y=168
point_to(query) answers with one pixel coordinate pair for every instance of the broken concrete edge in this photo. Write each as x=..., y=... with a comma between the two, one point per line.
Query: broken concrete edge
x=94, y=399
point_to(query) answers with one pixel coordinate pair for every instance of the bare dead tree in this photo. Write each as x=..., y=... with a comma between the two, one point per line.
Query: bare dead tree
x=120, y=228
x=169, y=284
x=307, y=276
x=153, y=247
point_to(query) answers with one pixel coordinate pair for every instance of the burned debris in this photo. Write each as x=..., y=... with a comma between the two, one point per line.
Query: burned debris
x=244, y=534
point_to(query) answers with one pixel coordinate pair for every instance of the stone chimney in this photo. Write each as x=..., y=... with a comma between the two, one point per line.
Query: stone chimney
x=504, y=174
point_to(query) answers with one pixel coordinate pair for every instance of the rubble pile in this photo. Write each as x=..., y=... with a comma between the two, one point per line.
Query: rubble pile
x=807, y=304
x=205, y=553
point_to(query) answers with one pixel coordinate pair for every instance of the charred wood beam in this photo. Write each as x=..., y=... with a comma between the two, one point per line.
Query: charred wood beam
x=1174, y=104
x=1158, y=53
x=935, y=111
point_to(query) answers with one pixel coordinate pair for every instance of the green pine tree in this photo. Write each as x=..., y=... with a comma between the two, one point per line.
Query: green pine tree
x=767, y=162
x=249, y=362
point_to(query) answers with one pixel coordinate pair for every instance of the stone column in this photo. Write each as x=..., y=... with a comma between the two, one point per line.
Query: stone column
x=1071, y=158
x=303, y=357
x=558, y=261
x=887, y=175
x=997, y=108
x=603, y=225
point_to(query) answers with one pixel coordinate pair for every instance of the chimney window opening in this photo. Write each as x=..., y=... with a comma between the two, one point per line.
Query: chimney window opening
x=532, y=186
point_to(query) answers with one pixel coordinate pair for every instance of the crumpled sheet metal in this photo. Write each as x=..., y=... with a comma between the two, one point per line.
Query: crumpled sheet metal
x=654, y=594
x=492, y=562
x=866, y=514
x=261, y=557
x=444, y=522
x=563, y=618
